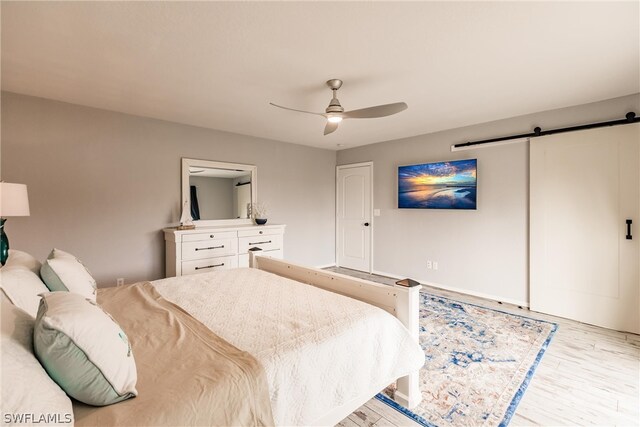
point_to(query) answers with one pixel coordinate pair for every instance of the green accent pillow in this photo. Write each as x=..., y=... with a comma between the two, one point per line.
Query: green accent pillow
x=84, y=350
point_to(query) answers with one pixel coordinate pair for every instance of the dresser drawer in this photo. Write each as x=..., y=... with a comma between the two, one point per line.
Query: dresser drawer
x=209, y=248
x=262, y=232
x=243, y=259
x=266, y=243
x=209, y=236
x=220, y=247
x=209, y=264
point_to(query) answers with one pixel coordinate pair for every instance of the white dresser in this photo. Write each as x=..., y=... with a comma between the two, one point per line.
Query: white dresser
x=215, y=248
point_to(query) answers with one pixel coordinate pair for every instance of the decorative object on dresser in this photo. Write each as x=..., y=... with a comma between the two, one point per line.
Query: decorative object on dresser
x=14, y=201
x=186, y=222
x=218, y=248
x=260, y=212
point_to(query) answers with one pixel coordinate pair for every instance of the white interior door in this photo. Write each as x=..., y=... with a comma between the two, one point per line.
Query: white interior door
x=353, y=222
x=584, y=186
x=242, y=199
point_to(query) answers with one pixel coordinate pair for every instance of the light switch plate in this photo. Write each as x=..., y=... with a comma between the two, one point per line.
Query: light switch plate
x=376, y=212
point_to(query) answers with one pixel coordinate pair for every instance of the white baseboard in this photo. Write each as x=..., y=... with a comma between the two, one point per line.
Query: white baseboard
x=393, y=276
x=459, y=290
x=325, y=266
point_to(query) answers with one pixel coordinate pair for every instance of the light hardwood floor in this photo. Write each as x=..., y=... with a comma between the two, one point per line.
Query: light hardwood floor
x=587, y=376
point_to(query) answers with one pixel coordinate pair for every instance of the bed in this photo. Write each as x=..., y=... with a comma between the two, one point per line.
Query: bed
x=323, y=349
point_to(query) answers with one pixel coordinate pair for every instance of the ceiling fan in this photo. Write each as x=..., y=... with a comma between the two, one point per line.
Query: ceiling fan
x=335, y=113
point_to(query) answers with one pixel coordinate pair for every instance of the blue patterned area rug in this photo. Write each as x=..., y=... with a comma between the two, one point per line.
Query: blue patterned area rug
x=479, y=362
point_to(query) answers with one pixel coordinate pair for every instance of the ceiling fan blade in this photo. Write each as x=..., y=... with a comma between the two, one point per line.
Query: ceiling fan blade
x=293, y=109
x=330, y=127
x=373, y=112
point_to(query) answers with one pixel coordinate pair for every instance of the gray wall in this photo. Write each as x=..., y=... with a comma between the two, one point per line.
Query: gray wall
x=102, y=185
x=484, y=252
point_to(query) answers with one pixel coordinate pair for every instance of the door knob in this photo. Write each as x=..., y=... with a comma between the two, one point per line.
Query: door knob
x=366, y=224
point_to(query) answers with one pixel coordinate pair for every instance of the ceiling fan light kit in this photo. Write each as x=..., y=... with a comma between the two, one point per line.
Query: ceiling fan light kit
x=334, y=113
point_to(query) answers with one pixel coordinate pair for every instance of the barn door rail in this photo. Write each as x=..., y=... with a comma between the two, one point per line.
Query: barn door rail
x=630, y=117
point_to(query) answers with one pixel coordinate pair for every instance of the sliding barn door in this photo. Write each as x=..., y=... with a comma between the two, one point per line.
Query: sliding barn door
x=584, y=187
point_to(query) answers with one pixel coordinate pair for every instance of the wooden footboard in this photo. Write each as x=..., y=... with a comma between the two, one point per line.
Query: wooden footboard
x=400, y=301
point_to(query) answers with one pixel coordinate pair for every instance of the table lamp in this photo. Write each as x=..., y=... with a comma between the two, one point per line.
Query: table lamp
x=13, y=202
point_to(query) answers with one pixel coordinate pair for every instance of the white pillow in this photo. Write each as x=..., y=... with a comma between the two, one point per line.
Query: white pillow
x=64, y=272
x=22, y=259
x=29, y=395
x=84, y=350
x=23, y=287
x=59, y=253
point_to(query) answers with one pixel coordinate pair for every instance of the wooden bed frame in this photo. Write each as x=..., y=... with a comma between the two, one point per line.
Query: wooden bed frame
x=400, y=301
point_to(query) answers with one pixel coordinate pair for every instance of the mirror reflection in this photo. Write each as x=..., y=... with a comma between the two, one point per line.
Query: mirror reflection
x=219, y=193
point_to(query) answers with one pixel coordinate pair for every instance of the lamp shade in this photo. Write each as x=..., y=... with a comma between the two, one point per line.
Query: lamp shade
x=13, y=200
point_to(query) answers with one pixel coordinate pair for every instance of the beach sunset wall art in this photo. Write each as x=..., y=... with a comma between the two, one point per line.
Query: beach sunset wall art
x=443, y=185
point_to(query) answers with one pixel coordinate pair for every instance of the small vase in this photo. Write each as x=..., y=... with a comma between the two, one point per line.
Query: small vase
x=261, y=221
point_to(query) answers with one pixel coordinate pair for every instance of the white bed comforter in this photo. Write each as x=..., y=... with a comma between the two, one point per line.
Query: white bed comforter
x=320, y=350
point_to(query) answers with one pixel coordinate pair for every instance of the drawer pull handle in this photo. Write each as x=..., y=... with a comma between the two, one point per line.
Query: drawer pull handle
x=211, y=235
x=210, y=266
x=259, y=243
x=209, y=248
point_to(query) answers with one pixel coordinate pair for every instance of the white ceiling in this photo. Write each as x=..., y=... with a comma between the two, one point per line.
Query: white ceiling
x=219, y=64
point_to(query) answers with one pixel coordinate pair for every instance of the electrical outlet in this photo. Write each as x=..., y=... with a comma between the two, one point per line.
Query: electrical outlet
x=120, y=281
x=435, y=265
x=429, y=264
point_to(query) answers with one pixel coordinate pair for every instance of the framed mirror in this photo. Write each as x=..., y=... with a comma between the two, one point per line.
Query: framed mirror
x=218, y=193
